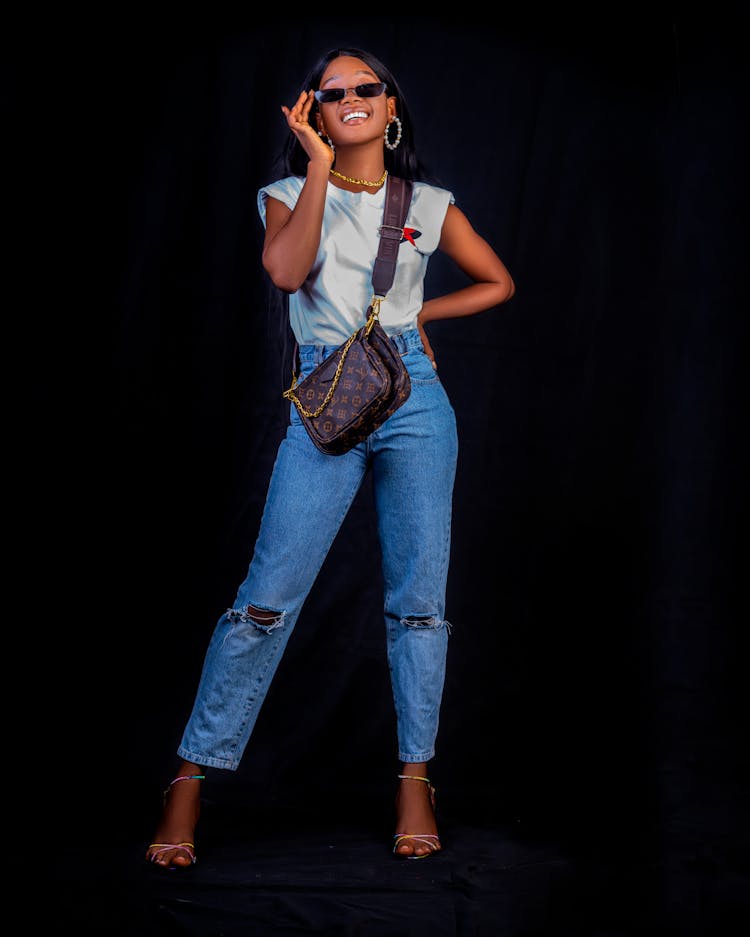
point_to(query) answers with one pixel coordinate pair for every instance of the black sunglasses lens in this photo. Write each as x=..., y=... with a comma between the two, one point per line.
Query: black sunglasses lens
x=329, y=95
x=371, y=90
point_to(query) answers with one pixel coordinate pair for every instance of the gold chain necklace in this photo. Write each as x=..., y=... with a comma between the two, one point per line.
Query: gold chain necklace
x=373, y=185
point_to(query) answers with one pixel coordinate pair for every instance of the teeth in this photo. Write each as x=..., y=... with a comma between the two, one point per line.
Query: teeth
x=354, y=114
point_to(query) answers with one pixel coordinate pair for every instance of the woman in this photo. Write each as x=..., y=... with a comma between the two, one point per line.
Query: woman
x=349, y=128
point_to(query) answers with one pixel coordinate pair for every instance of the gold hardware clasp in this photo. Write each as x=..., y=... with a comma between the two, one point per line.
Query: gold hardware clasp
x=374, y=314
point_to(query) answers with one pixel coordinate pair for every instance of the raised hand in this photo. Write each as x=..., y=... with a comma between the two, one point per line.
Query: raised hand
x=297, y=119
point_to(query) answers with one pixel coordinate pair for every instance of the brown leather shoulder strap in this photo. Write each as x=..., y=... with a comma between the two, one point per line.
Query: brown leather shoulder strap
x=398, y=194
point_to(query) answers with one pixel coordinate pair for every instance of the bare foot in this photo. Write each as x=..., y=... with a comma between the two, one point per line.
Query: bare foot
x=415, y=814
x=177, y=824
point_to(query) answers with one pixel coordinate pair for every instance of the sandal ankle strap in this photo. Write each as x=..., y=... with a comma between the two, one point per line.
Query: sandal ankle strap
x=430, y=786
x=188, y=777
x=183, y=777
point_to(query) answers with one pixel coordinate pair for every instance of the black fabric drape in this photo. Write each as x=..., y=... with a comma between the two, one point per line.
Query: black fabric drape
x=596, y=677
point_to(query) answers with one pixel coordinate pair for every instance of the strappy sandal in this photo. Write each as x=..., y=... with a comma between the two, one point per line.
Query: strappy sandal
x=163, y=847
x=189, y=848
x=429, y=839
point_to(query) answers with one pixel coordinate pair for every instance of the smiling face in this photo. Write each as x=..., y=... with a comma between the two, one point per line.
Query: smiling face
x=354, y=118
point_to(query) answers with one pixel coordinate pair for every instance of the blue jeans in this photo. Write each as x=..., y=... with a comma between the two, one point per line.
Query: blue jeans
x=413, y=461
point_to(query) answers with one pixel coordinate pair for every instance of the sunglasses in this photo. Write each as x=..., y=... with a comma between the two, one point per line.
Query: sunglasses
x=371, y=90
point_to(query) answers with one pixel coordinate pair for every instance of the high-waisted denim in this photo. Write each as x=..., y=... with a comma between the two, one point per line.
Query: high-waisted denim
x=412, y=457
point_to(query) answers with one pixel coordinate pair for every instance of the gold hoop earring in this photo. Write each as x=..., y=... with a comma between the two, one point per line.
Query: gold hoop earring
x=330, y=141
x=397, y=122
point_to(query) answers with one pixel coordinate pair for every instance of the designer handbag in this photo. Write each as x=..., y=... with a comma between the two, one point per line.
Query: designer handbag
x=357, y=387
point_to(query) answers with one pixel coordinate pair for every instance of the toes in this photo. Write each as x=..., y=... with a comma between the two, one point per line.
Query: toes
x=168, y=861
x=169, y=857
x=422, y=850
x=417, y=848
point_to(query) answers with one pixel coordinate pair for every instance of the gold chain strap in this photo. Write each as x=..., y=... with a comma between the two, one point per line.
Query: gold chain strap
x=290, y=395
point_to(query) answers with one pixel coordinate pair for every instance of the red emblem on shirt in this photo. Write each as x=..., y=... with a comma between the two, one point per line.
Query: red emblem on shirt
x=409, y=235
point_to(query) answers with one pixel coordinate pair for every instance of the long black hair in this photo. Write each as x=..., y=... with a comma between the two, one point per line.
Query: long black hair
x=402, y=161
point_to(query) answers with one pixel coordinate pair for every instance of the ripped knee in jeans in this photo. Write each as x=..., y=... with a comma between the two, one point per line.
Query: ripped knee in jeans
x=264, y=619
x=425, y=621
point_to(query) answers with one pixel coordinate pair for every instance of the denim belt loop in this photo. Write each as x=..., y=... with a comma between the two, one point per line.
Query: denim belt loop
x=407, y=341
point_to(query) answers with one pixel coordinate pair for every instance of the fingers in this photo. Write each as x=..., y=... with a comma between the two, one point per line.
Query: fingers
x=297, y=118
x=426, y=343
x=429, y=352
x=299, y=112
x=308, y=103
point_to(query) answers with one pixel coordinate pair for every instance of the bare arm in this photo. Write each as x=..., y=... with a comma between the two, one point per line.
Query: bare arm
x=292, y=237
x=492, y=286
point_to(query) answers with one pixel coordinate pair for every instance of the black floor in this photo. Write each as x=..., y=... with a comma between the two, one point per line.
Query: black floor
x=286, y=869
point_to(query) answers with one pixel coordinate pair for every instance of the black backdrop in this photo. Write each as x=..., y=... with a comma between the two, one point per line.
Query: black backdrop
x=597, y=664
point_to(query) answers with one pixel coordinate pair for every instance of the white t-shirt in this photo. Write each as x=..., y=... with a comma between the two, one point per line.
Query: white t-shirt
x=332, y=302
